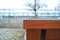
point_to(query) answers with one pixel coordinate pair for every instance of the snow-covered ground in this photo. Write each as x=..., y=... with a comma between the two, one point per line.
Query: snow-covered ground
x=11, y=23
x=18, y=22
x=12, y=34
x=10, y=29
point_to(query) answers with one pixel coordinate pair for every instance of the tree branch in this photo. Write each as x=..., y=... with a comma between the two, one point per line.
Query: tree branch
x=29, y=4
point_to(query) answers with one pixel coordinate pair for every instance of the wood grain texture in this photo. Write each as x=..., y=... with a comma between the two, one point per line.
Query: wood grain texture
x=53, y=34
x=33, y=34
x=33, y=29
x=41, y=24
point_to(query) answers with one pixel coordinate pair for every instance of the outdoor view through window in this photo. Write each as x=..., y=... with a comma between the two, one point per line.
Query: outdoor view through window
x=13, y=12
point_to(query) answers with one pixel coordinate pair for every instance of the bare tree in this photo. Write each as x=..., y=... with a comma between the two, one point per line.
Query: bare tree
x=35, y=6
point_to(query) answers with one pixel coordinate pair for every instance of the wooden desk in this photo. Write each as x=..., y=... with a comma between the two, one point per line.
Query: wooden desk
x=38, y=29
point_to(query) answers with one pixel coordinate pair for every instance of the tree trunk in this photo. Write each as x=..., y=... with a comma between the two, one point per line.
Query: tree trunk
x=35, y=14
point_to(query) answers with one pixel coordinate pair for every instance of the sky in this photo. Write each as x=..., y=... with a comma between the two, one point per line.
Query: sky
x=11, y=3
x=20, y=3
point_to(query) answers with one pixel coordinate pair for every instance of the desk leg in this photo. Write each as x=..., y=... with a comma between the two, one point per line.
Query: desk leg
x=43, y=34
x=33, y=34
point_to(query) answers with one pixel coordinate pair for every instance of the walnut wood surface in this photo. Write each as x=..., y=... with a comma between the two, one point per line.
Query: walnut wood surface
x=41, y=24
x=33, y=29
